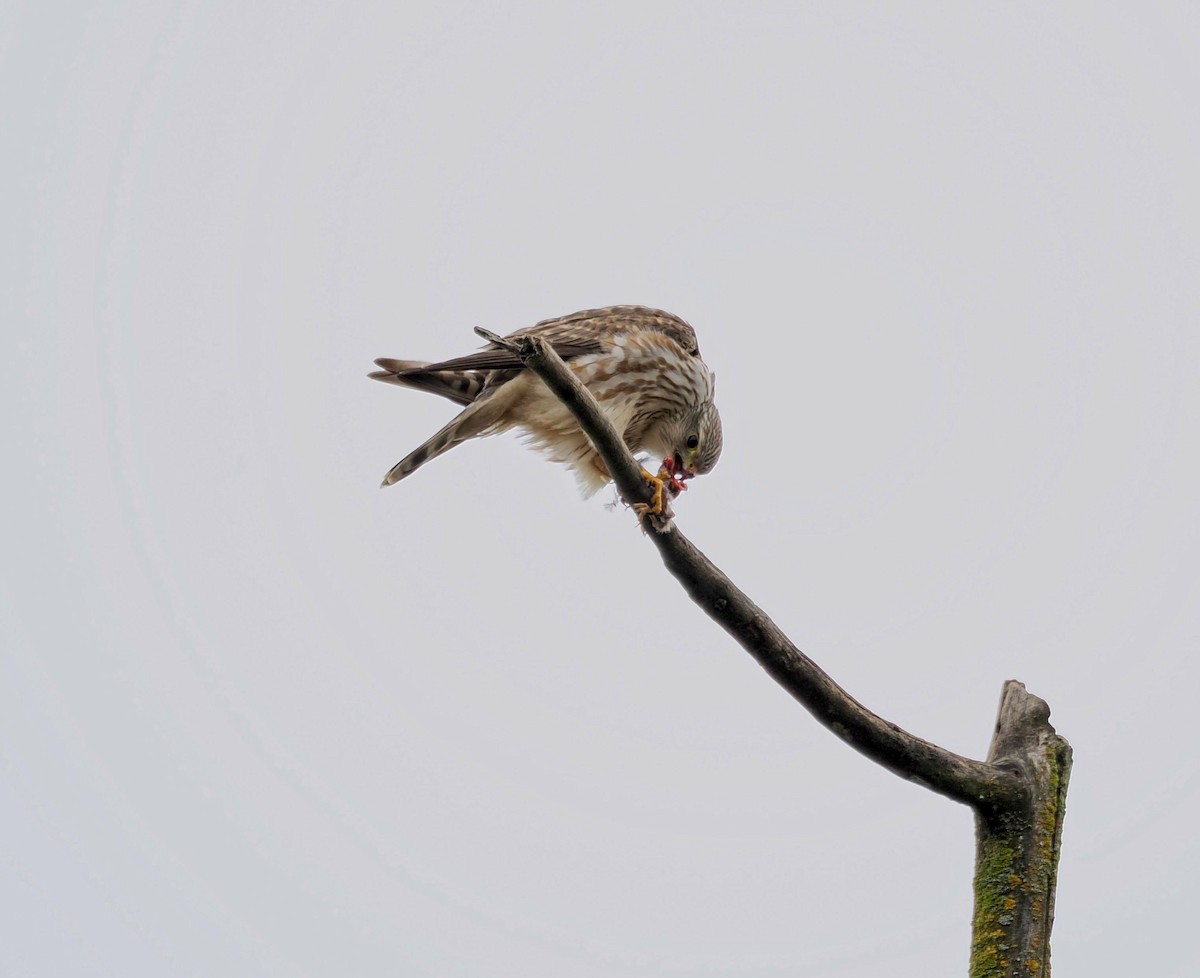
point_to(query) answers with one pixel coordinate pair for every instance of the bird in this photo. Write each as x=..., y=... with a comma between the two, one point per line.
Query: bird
x=642, y=365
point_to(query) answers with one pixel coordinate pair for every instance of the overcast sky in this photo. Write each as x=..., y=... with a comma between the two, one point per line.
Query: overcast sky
x=259, y=717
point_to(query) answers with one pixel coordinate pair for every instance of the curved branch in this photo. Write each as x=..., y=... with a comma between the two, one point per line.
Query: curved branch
x=989, y=788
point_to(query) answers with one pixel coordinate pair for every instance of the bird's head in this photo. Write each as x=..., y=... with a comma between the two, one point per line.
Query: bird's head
x=692, y=442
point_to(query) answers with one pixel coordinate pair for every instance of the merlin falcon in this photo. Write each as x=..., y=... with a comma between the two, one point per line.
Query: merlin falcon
x=642, y=365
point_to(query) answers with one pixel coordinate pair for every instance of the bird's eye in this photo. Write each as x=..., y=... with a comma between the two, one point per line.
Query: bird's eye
x=693, y=441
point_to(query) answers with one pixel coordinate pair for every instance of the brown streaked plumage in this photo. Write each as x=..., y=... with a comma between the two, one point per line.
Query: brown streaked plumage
x=643, y=366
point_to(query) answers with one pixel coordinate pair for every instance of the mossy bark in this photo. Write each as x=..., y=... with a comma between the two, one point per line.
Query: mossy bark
x=1016, y=856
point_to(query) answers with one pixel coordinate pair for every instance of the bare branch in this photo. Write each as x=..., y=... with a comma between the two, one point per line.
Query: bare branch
x=988, y=788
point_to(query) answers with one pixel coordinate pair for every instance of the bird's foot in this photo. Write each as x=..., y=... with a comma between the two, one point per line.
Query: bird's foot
x=655, y=506
x=657, y=512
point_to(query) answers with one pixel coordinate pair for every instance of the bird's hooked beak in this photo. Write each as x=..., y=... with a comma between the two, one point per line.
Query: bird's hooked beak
x=678, y=469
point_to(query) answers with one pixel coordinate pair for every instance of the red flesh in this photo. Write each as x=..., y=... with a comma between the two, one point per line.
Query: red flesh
x=676, y=474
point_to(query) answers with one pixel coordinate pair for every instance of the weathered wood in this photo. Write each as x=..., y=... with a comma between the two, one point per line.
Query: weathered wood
x=1018, y=794
x=1017, y=849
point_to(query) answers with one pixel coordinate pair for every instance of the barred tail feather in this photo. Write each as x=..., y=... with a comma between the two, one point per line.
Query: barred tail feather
x=460, y=386
x=475, y=420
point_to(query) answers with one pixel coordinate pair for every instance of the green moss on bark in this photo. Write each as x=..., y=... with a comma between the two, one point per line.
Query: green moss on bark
x=996, y=883
x=1016, y=872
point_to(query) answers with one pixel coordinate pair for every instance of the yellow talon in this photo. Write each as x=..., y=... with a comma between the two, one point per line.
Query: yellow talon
x=655, y=506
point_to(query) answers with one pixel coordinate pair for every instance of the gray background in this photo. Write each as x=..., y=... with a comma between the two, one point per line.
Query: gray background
x=258, y=717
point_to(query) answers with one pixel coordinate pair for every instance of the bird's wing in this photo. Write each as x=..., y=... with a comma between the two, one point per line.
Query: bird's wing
x=494, y=358
x=579, y=334
x=590, y=324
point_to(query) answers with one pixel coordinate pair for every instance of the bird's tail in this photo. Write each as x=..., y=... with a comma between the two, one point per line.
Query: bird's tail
x=475, y=420
x=460, y=386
